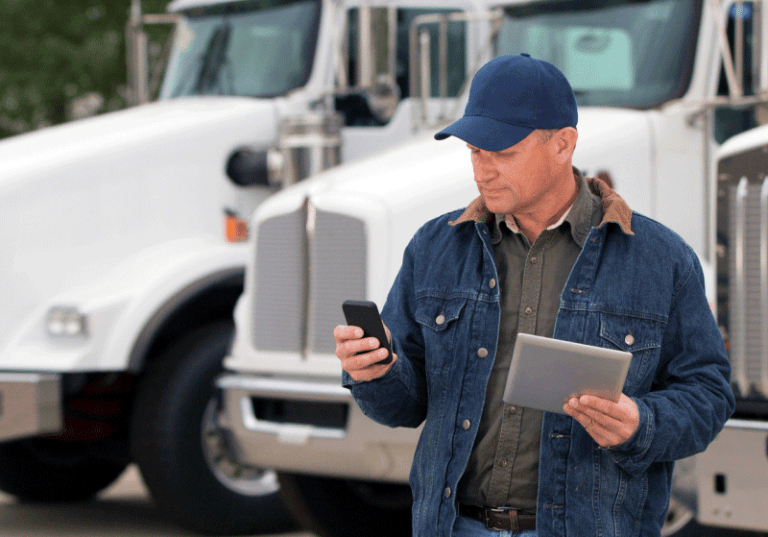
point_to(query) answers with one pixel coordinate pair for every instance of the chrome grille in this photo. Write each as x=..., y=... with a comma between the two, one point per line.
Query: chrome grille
x=307, y=263
x=337, y=255
x=279, y=312
x=743, y=281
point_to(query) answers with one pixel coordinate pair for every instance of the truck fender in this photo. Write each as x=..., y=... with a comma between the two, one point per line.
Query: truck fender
x=192, y=271
x=126, y=307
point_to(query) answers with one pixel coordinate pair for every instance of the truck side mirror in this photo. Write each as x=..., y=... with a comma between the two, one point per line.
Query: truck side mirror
x=760, y=65
x=371, y=61
x=248, y=167
x=383, y=98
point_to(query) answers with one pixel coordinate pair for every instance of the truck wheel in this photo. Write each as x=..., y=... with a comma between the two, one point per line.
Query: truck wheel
x=347, y=508
x=51, y=470
x=185, y=458
x=679, y=520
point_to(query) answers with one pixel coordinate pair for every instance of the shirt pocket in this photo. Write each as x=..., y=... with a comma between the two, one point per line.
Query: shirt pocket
x=439, y=319
x=641, y=337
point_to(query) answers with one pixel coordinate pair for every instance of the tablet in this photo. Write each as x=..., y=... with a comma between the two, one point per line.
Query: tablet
x=545, y=372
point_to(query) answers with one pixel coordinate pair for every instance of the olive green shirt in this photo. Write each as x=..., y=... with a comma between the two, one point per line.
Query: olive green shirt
x=503, y=466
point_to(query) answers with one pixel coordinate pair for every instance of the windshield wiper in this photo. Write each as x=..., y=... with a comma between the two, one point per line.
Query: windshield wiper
x=213, y=59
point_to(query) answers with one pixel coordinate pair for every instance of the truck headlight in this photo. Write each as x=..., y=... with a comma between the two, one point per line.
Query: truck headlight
x=66, y=322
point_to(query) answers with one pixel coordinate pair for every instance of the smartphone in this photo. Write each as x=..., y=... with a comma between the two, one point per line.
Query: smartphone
x=365, y=314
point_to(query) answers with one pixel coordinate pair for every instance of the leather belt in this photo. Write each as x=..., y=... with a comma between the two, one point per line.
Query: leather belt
x=499, y=519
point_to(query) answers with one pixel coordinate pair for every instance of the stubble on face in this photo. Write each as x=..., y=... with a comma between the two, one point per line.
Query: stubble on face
x=515, y=180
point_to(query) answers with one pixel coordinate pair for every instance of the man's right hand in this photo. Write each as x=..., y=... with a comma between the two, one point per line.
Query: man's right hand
x=359, y=355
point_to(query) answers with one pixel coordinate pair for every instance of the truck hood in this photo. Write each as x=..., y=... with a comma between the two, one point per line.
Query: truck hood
x=80, y=199
x=136, y=128
x=396, y=191
x=433, y=177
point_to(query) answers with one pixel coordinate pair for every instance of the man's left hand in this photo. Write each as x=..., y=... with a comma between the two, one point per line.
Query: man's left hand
x=609, y=423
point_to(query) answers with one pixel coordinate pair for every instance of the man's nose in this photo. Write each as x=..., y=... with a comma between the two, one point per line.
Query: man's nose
x=483, y=172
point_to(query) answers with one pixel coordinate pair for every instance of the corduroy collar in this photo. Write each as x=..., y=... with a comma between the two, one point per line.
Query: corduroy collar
x=615, y=209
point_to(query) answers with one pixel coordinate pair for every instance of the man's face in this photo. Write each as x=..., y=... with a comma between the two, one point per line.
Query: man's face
x=516, y=180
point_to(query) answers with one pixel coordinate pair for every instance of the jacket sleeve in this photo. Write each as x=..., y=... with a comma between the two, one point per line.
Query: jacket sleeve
x=399, y=398
x=691, y=398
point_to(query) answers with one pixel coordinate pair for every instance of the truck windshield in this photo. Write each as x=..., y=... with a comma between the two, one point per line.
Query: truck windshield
x=258, y=48
x=614, y=53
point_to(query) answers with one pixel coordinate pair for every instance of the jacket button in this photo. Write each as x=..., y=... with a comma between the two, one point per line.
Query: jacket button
x=466, y=424
x=440, y=319
x=448, y=492
x=629, y=340
x=528, y=310
x=482, y=352
x=534, y=260
x=492, y=283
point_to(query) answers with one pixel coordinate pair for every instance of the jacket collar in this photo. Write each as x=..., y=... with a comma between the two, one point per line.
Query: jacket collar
x=615, y=209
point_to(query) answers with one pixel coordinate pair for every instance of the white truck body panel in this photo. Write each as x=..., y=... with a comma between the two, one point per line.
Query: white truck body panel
x=82, y=200
x=135, y=180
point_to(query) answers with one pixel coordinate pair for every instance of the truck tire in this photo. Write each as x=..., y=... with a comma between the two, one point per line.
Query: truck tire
x=184, y=457
x=51, y=470
x=347, y=508
x=679, y=520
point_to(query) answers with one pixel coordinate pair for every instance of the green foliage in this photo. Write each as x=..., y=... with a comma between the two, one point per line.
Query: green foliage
x=56, y=54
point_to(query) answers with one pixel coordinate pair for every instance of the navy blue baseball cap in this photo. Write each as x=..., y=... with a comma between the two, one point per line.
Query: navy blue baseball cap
x=510, y=97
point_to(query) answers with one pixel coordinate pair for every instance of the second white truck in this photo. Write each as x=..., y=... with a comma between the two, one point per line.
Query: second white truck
x=660, y=85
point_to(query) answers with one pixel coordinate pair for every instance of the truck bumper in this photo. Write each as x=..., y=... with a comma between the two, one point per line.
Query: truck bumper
x=311, y=427
x=732, y=477
x=30, y=404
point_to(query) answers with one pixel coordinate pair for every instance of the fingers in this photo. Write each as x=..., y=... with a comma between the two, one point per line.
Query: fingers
x=607, y=422
x=358, y=355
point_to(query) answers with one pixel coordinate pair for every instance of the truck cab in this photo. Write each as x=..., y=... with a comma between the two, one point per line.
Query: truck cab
x=659, y=84
x=124, y=239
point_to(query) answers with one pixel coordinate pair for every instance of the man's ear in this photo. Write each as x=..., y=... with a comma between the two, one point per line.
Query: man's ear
x=564, y=143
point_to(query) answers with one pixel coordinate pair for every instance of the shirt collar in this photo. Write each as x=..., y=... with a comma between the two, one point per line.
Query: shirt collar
x=578, y=216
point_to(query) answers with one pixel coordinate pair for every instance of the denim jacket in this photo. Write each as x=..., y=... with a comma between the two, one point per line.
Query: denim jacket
x=635, y=286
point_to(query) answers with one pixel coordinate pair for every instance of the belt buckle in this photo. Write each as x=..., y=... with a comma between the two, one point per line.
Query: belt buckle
x=514, y=524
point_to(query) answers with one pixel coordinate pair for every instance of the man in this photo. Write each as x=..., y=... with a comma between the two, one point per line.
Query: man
x=545, y=251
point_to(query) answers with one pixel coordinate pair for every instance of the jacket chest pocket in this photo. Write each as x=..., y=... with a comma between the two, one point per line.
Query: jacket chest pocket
x=439, y=319
x=641, y=337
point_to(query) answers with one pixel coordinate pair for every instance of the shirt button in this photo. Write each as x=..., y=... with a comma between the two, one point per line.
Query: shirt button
x=448, y=492
x=440, y=319
x=629, y=340
x=482, y=352
x=528, y=310
x=534, y=260
x=492, y=283
x=466, y=424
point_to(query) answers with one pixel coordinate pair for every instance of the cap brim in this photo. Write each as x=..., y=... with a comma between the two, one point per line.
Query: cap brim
x=485, y=133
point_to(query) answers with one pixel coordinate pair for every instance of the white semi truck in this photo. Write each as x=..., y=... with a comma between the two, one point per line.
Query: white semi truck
x=122, y=242
x=660, y=85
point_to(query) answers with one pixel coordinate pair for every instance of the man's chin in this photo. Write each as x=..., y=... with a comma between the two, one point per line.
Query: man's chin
x=496, y=205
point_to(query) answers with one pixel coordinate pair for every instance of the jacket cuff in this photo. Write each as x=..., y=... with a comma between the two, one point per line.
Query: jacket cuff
x=630, y=455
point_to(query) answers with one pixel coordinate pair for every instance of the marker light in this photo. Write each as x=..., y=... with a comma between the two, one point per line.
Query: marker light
x=66, y=322
x=235, y=228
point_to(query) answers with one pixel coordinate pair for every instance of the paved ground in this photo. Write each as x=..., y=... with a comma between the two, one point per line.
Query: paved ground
x=124, y=509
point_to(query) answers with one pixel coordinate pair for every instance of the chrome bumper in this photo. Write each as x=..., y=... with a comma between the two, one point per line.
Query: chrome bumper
x=30, y=404
x=311, y=427
x=732, y=477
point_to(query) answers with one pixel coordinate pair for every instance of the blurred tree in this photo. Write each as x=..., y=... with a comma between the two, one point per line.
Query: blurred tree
x=62, y=60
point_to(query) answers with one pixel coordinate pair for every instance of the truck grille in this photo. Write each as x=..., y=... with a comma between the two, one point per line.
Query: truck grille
x=307, y=263
x=742, y=274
